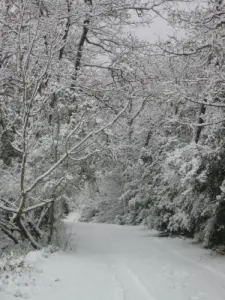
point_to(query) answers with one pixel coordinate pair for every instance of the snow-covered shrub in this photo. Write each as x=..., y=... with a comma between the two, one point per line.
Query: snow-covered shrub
x=20, y=272
x=181, y=193
x=172, y=208
x=190, y=194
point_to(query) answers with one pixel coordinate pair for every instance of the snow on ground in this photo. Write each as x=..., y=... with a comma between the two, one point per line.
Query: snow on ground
x=72, y=218
x=110, y=262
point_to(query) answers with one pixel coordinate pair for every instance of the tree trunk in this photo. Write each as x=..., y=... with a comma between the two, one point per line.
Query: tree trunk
x=80, y=46
x=199, y=128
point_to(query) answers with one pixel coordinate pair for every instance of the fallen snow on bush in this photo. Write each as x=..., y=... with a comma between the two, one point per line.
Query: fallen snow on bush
x=22, y=276
x=18, y=275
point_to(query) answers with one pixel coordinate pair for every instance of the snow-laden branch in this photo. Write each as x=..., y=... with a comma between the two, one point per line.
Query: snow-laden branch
x=200, y=124
x=140, y=7
x=8, y=209
x=205, y=103
x=28, y=209
x=65, y=155
x=43, y=203
x=83, y=157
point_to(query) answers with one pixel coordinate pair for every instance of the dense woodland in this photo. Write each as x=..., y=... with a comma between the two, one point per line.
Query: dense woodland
x=93, y=118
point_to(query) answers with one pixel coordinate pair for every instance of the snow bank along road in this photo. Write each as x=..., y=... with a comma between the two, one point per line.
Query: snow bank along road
x=109, y=262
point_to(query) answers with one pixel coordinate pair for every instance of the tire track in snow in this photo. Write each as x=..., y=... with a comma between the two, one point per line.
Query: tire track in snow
x=119, y=291
x=130, y=285
x=197, y=264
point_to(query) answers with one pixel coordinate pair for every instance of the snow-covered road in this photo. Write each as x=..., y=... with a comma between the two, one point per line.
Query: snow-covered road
x=109, y=262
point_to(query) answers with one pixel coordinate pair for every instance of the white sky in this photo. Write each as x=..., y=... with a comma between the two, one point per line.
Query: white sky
x=158, y=29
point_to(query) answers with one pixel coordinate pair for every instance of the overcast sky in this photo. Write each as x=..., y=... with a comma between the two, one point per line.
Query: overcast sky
x=159, y=28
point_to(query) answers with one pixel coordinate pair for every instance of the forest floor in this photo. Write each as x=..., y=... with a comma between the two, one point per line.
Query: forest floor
x=110, y=262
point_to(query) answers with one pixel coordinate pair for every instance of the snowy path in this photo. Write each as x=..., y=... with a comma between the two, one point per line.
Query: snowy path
x=109, y=262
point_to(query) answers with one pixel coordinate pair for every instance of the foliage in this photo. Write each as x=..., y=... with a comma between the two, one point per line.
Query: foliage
x=91, y=118
x=173, y=173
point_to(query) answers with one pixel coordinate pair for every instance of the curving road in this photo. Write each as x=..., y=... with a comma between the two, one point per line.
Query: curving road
x=109, y=262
